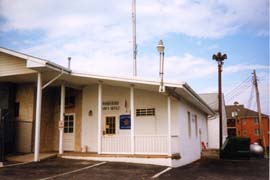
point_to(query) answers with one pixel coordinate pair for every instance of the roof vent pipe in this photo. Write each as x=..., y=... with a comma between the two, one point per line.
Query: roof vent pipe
x=69, y=59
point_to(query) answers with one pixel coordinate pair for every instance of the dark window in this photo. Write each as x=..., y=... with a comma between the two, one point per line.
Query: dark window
x=70, y=101
x=145, y=112
x=256, y=120
x=257, y=132
x=244, y=132
x=231, y=123
x=189, y=124
x=110, y=125
x=17, y=109
x=196, y=124
x=231, y=131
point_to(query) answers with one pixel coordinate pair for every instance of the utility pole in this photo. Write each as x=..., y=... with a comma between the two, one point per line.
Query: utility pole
x=261, y=140
x=134, y=38
x=255, y=82
x=220, y=58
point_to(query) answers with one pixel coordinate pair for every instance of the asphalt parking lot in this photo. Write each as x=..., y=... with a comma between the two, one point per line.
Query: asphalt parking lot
x=205, y=169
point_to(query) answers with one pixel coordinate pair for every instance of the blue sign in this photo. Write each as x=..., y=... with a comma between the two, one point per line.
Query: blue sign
x=125, y=121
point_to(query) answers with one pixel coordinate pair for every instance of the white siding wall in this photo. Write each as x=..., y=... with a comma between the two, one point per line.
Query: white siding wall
x=175, y=125
x=190, y=147
x=146, y=125
x=10, y=65
x=89, y=123
x=213, y=127
x=151, y=124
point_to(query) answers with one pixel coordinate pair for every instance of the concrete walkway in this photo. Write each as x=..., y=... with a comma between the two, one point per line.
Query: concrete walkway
x=29, y=157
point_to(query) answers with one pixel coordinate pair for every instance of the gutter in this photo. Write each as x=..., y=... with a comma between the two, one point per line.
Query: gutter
x=197, y=97
x=58, y=67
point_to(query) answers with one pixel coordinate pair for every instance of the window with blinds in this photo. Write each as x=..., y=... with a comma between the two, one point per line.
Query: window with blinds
x=146, y=112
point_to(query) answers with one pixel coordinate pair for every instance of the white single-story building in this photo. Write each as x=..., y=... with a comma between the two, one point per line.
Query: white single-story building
x=100, y=117
x=213, y=121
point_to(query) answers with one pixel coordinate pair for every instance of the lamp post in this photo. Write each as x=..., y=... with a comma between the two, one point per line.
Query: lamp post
x=220, y=58
x=160, y=48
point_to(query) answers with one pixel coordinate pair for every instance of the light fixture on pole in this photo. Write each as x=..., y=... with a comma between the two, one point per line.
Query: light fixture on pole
x=220, y=58
x=160, y=48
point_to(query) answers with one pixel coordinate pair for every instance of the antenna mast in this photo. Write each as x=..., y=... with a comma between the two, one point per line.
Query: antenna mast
x=134, y=37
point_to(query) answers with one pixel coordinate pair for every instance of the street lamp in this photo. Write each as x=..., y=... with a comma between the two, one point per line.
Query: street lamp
x=220, y=58
x=160, y=48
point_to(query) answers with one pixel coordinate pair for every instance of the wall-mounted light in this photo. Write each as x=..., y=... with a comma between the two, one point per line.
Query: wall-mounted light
x=90, y=113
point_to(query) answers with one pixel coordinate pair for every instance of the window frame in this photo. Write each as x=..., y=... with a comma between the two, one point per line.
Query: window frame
x=105, y=125
x=145, y=112
x=189, y=123
x=74, y=120
x=196, y=124
x=257, y=132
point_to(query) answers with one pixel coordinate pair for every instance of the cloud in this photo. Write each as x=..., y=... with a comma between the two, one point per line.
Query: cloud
x=243, y=67
x=97, y=34
x=205, y=19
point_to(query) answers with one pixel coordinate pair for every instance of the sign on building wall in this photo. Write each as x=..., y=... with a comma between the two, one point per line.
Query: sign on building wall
x=110, y=105
x=125, y=121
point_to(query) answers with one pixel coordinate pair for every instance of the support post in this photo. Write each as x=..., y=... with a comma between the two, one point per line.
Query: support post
x=169, y=127
x=99, y=116
x=132, y=134
x=220, y=105
x=62, y=114
x=38, y=117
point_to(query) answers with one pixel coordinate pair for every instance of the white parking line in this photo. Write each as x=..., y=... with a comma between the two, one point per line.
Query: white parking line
x=74, y=171
x=17, y=164
x=161, y=172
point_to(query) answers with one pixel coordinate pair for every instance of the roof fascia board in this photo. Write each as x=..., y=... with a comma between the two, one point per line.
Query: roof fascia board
x=125, y=79
x=190, y=91
x=34, y=62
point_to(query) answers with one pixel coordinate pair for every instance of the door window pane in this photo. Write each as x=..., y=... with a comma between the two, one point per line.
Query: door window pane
x=68, y=123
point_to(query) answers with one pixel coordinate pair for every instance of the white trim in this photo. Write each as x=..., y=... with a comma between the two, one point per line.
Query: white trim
x=132, y=119
x=169, y=126
x=130, y=80
x=62, y=111
x=38, y=117
x=99, y=116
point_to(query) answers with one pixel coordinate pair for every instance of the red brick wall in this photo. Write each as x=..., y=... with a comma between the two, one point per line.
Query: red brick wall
x=248, y=126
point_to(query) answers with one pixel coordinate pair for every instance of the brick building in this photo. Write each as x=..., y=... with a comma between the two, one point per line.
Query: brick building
x=245, y=122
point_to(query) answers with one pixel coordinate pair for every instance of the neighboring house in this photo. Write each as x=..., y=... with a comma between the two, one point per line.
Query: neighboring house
x=127, y=119
x=213, y=121
x=245, y=122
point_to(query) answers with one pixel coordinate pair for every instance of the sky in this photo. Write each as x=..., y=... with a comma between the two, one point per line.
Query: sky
x=97, y=34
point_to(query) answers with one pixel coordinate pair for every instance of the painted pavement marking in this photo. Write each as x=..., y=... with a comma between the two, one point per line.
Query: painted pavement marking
x=161, y=172
x=17, y=164
x=74, y=171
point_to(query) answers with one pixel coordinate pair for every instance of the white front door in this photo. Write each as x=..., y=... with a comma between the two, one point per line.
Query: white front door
x=69, y=128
